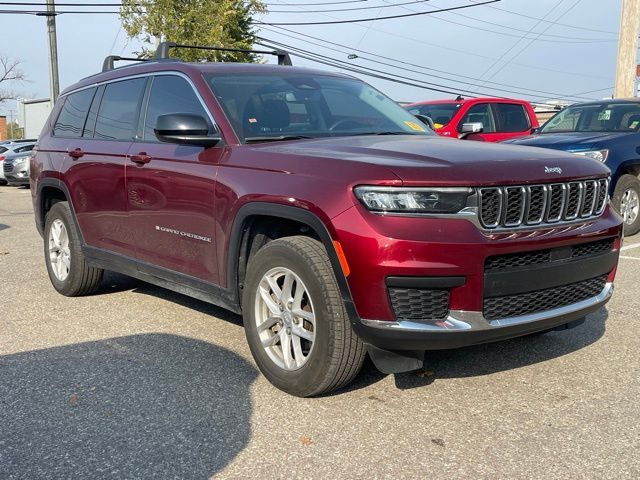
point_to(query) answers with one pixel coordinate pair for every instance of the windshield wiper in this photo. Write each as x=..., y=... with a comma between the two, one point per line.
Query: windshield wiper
x=384, y=133
x=279, y=138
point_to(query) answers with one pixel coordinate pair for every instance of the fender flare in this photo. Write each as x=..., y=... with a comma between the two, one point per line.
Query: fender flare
x=290, y=213
x=59, y=185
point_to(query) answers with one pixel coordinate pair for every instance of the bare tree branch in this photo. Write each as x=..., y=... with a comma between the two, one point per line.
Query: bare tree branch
x=10, y=73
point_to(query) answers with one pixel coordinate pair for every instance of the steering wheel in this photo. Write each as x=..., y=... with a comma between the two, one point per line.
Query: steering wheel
x=346, y=121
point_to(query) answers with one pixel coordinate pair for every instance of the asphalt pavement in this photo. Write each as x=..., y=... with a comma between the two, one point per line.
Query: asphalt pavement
x=141, y=382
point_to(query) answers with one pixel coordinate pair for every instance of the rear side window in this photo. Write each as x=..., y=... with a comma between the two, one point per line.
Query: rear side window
x=170, y=94
x=480, y=113
x=70, y=122
x=26, y=148
x=511, y=117
x=118, y=113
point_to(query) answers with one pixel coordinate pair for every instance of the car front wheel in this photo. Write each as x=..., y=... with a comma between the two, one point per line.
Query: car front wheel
x=295, y=321
x=626, y=200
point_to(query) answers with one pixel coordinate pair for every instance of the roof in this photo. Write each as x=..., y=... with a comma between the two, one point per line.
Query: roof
x=467, y=100
x=196, y=68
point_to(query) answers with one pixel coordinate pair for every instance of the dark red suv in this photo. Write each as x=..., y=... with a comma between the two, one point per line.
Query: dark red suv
x=321, y=211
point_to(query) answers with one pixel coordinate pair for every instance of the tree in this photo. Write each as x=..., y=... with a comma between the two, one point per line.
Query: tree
x=223, y=23
x=9, y=73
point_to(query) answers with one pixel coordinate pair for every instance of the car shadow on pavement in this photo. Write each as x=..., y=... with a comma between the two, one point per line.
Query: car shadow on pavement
x=3, y=226
x=141, y=406
x=115, y=282
x=490, y=358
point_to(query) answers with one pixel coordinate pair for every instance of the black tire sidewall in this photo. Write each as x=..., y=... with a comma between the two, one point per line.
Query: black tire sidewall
x=298, y=382
x=626, y=182
x=60, y=211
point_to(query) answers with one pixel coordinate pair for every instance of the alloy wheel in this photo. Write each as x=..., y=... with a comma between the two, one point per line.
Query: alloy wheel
x=59, y=252
x=630, y=206
x=285, y=318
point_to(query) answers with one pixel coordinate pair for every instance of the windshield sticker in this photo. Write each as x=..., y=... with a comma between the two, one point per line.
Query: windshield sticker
x=414, y=126
x=605, y=115
x=253, y=120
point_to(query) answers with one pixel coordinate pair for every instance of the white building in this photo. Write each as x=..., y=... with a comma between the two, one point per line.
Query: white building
x=32, y=115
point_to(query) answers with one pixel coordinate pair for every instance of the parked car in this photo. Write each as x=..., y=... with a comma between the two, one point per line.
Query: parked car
x=482, y=119
x=608, y=131
x=321, y=211
x=15, y=166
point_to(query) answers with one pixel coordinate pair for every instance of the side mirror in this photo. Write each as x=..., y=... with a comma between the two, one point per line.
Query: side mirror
x=469, y=128
x=185, y=129
x=426, y=120
x=535, y=131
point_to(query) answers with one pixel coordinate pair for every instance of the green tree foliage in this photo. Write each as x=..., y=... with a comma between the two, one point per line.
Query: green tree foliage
x=222, y=23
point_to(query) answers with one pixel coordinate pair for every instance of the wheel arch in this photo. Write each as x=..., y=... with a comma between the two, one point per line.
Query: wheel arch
x=240, y=248
x=50, y=191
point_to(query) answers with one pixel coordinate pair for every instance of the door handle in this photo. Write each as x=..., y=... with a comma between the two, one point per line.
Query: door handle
x=76, y=153
x=140, y=158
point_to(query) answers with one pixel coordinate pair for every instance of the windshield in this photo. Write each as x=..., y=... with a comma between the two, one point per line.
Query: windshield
x=283, y=107
x=440, y=113
x=603, y=117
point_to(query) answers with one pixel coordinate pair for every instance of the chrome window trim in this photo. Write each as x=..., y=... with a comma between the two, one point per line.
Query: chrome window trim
x=150, y=74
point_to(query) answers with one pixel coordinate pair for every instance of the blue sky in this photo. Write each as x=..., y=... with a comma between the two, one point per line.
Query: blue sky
x=571, y=52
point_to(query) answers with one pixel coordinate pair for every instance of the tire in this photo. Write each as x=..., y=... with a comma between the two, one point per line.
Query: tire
x=625, y=200
x=335, y=355
x=69, y=272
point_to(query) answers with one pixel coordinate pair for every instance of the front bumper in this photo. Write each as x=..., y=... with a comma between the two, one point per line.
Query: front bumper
x=464, y=328
x=16, y=172
x=452, y=255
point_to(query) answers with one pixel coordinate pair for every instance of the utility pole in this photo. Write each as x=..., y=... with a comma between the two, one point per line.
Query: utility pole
x=54, y=81
x=627, y=49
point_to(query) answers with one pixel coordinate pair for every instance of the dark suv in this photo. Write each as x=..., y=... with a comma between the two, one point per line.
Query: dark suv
x=321, y=211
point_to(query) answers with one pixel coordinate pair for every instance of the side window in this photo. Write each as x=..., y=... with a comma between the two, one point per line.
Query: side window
x=511, y=117
x=90, y=124
x=170, y=94
x=479, y=113
x=118, y=113
x=26, y=148
x=70, y=122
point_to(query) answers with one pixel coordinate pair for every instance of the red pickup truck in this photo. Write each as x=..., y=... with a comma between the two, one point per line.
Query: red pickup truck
x=484, y=119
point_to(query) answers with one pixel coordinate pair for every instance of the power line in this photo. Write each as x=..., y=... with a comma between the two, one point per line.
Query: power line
x=519, y=90
x=381, y=74
x=518, y=14
x=373, y=19
x=44, y=13
x=371, y=7
x=561, y=38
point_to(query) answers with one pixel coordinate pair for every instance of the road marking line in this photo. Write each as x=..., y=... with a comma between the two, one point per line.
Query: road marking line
x=630, y=258
x=629, y=247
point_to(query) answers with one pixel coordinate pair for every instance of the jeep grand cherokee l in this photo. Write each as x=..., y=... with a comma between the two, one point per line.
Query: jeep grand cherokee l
x=321, y=211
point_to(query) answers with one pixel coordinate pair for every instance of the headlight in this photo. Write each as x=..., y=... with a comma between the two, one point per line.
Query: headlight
x=19, y=160
x=413, y=200
x=600, y=155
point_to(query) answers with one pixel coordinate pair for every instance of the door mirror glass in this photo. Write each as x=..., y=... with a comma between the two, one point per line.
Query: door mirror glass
x=535, y=131
x=185, y=129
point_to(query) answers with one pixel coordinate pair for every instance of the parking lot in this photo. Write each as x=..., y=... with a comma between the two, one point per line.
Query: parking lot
x=140, y=382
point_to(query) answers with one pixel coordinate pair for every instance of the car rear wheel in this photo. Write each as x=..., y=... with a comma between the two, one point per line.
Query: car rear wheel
x=69, y=272
x=626, y=200
x=295, y=321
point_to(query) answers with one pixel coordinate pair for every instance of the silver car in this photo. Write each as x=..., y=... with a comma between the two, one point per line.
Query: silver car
x=14, y=160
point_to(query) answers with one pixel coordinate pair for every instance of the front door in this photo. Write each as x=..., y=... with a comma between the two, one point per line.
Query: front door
x=170, y=188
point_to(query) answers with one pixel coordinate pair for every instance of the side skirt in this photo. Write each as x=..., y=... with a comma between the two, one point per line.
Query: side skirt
x=162, y=277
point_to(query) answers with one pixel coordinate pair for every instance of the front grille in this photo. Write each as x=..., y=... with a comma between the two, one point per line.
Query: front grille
x=496, y=308
x=8, y=166
x=516, y=206
x=524, y=259
x=415, y=304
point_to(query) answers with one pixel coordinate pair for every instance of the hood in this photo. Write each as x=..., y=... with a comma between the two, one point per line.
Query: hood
x=570, y=140
x=434, y=160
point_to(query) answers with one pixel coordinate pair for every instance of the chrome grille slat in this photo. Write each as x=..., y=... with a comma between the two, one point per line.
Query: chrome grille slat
x=517, y=206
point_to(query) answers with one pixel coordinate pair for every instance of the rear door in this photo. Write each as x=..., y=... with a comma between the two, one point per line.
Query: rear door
x=170, y=188
x=512, y=121
x=94, y=164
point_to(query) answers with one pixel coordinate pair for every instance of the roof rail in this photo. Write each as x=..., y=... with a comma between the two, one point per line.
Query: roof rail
x=163, y=51
x=108, y=62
